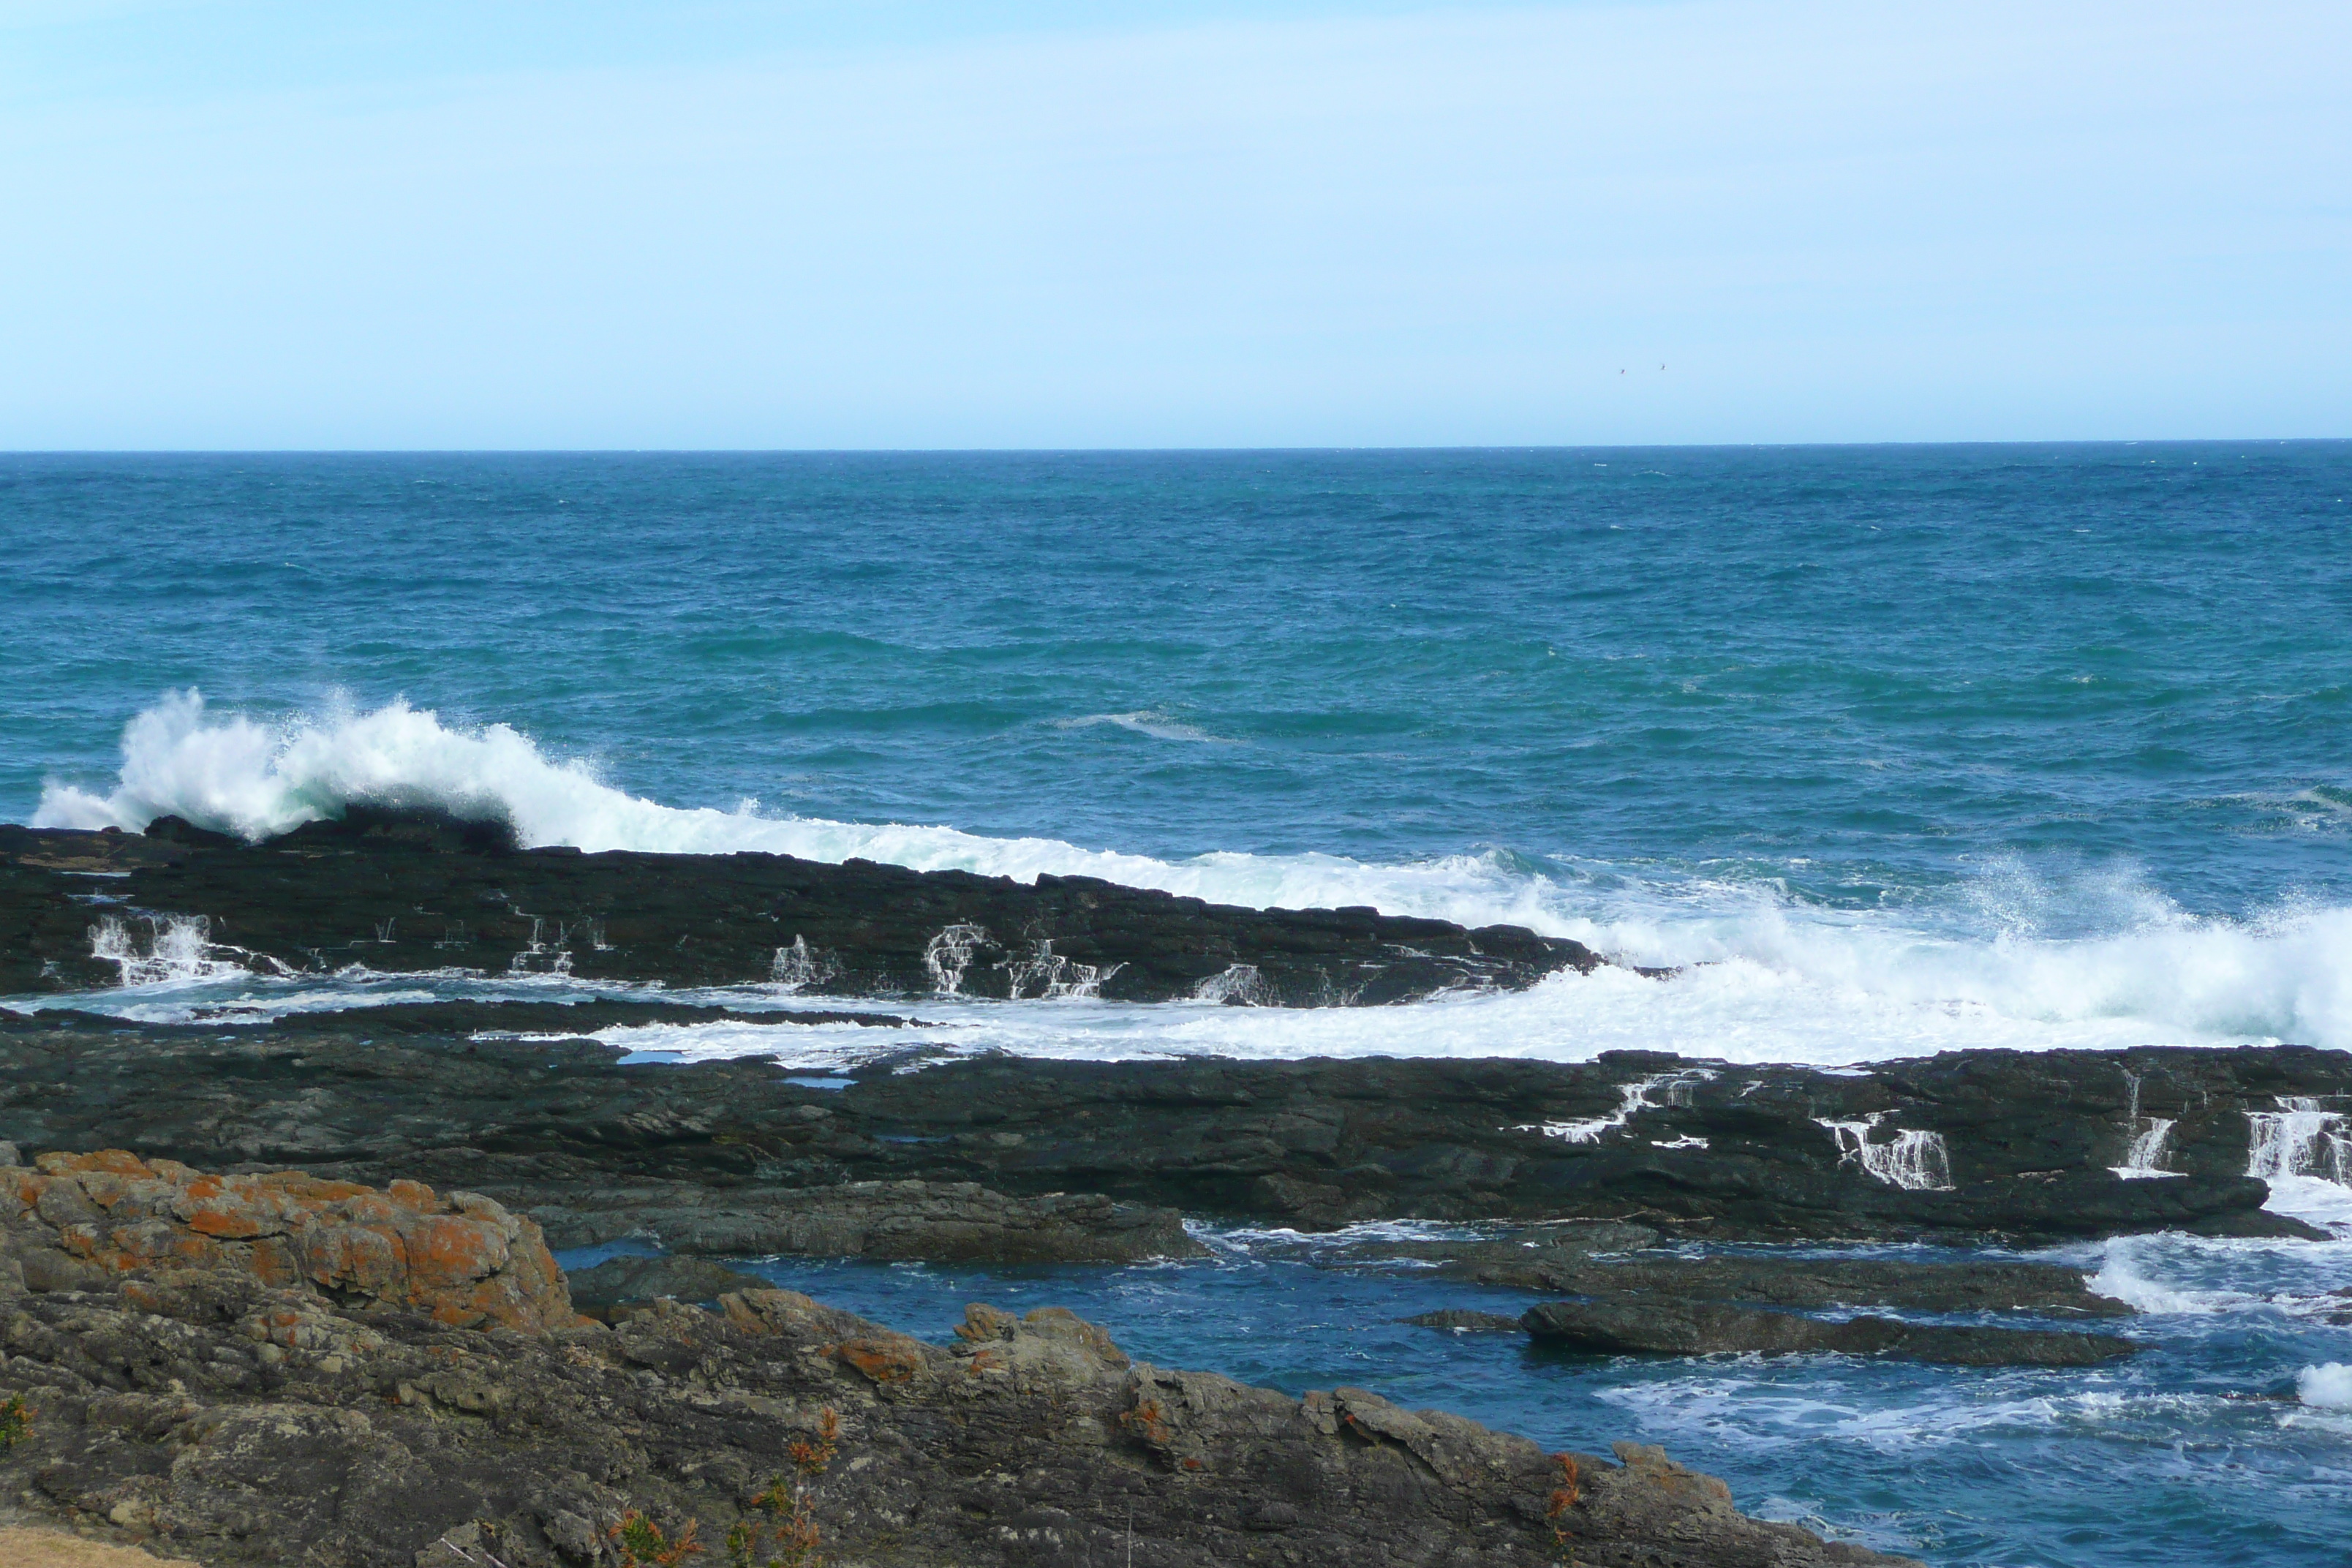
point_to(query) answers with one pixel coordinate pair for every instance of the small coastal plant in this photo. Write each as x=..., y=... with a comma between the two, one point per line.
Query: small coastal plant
x=643, y=1544
x=1563, y=1497
x=15, y=1421
x=782, y=1532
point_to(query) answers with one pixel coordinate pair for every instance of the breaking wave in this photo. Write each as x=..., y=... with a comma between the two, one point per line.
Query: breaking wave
x=2329, y=1386
x=1777, y=978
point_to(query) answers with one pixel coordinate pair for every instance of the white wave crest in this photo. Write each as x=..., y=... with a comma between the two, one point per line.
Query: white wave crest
x=1775, y=978
x=1145, y=721
x=2327, y=1387
x=2125, y=1279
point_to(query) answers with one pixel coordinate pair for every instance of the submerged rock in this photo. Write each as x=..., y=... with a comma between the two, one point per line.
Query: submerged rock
x=1462, y=1320
x=2050, y=1290
x=1634, y=1324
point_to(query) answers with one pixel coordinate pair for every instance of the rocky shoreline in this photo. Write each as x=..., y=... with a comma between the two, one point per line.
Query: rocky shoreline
x=313, y=1279
x=1004, y=1161
x=279, y=1370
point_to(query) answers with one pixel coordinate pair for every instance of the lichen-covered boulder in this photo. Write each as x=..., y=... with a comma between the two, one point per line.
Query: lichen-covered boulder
x=86, y=1221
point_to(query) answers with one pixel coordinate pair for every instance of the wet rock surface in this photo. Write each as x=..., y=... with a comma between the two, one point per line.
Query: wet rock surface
x=1969, y=1145
x=410, y=892
x=1646, y=1324
x=2046, y=1289
x=2022, y=1144
x=166, y=1413
x=463, y=1019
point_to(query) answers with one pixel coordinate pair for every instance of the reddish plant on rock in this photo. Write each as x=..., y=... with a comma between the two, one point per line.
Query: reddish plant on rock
x=15, y=1421
x=643, y=1544
x=790, y=1527
x=1146, y=1422
x=1563, y=1497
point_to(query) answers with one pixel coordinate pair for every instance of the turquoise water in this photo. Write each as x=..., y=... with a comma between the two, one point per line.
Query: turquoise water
x=1931, y=746
x=1861, y=669
x=1905, y=749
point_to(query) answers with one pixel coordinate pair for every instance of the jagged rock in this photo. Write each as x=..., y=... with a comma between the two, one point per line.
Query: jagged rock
x=82, y=1221
x=408, y=890
x=1035, y=1442
x=1634, y=1324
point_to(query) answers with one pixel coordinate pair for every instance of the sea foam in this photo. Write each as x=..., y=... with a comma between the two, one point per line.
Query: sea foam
x=2327, y=1387
x=1766, y=976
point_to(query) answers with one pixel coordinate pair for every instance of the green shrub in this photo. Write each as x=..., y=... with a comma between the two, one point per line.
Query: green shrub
x=15, y=1421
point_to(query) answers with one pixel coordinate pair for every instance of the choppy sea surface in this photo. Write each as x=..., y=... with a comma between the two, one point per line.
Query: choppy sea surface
x=1902, y=748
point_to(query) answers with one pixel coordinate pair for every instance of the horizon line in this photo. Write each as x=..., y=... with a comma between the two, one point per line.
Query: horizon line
x=1171, y=450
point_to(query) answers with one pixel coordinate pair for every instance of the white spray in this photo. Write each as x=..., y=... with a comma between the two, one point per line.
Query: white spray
x=1914, y=1160
x=2144, y=1156
x=1772, y=978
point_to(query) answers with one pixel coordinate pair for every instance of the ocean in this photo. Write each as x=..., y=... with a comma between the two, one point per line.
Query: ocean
x=1896, y=749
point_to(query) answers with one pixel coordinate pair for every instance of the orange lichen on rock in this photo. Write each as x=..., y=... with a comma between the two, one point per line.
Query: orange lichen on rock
x=880, y=1359
x=459, y=1256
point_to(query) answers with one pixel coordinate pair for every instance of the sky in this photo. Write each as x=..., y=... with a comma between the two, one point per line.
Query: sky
x=508, y=224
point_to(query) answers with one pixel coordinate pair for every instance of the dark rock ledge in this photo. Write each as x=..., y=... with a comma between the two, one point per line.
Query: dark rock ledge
x=1599, y=1259
x=2022, y=1143
x=999, y=1160
x=409, y=891
x=1647, y=1324
x=261, y=1378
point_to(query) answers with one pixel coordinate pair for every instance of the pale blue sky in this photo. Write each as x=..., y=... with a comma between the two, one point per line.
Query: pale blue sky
x=1308, y=222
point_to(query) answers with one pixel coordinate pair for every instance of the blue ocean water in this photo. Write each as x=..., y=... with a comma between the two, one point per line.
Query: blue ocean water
x=1863, y=669
x=1904, y=749
x=1931, y=746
